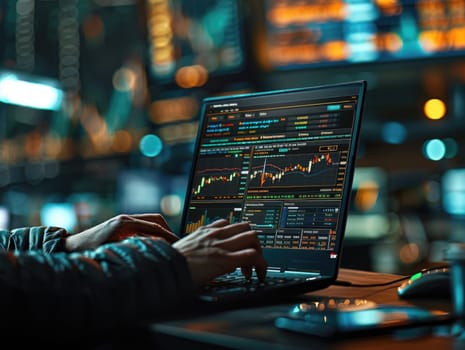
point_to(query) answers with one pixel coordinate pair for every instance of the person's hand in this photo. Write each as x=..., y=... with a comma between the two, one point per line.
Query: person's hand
x=219, y=248
x=119, y=228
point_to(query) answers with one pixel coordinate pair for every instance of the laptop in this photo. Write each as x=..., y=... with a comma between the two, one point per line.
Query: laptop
x=283, y=161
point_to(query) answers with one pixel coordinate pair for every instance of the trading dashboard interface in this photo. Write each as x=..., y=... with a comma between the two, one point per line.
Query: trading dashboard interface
x=277, y=160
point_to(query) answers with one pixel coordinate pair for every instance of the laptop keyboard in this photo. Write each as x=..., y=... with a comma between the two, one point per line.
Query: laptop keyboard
x=234, y=283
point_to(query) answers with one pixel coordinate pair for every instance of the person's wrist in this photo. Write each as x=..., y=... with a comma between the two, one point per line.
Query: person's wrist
x=70, y=243
x=78, y=242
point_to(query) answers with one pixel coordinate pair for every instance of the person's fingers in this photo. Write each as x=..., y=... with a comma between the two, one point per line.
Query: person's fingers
x=244, y=243
x=230, y=230
x=218, y=223
x=135, y=226
x=261, y=270
x=246, y=251
x=247, y=271
x=220, y=247
x=155, y=218
x=239, y=241
x=247, y=258
x=154, y=229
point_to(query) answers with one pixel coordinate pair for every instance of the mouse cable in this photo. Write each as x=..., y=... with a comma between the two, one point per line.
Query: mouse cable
x=403, y=278
x=350, y=284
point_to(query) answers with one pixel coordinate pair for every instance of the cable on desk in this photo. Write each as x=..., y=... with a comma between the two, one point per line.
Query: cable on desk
x=403, y=278
x=350, y=284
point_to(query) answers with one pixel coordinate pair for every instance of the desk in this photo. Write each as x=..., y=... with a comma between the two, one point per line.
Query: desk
x=253, y=328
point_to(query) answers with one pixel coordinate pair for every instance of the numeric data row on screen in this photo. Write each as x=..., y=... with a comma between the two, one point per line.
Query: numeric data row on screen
x=318, y=239
x=278, y=215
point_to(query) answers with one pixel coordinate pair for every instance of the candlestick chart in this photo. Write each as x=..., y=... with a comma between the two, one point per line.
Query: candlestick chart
x=217, y=176
x=302, y=170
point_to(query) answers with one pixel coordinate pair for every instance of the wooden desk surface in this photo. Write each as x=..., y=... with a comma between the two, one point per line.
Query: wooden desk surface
x=253, y=328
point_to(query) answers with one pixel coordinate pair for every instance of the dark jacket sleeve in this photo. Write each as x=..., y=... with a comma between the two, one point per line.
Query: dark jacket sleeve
x=48, y=239
x=116, y=284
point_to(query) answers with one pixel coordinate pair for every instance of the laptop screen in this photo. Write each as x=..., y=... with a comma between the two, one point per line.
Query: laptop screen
x=283, y=161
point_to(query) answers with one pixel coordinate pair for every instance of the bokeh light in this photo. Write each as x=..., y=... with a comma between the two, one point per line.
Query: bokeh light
x=151, y=145
x=434, y=109
x=394, y=133
x=171, y=205
x=434, y=149
x=451, y=147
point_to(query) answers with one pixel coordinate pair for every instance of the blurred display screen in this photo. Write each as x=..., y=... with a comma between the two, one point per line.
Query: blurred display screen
x=59, y=214
x=369, y=191
x=139, y=190
x=4, y=218
x=453, y=187
x=203, y=37
x=320, y=32
x=368, y=208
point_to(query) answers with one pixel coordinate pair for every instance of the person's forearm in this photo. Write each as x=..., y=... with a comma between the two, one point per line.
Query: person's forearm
x=120, y=282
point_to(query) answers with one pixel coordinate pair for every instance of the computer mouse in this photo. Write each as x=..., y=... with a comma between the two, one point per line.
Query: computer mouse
x=340, y=316
x=427, y=283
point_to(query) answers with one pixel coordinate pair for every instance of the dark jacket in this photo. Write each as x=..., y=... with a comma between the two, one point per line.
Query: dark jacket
x=116, y=284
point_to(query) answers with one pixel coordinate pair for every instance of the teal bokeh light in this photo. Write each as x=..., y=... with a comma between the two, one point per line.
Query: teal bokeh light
x=150, y=145
x=434, y=149
x=394, y=133
x=451, y=148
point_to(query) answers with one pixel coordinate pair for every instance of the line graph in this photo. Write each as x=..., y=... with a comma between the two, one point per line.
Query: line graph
x=317, y=169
